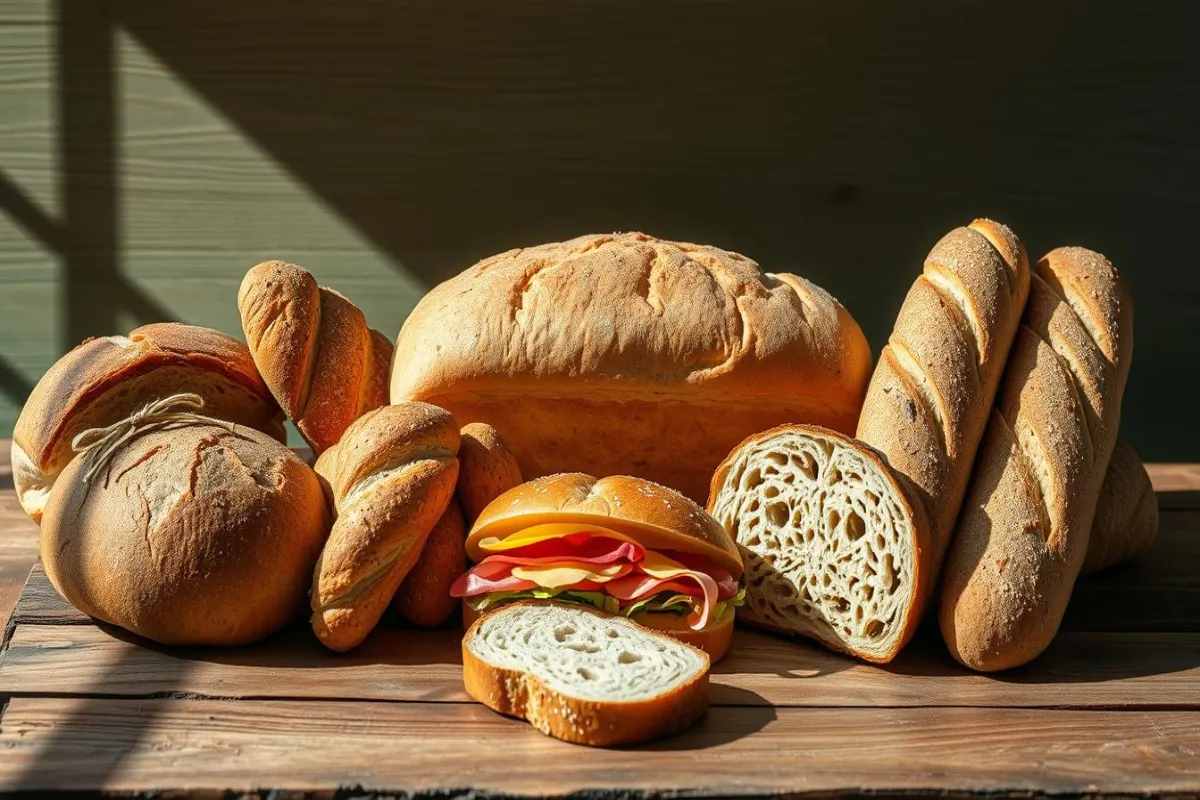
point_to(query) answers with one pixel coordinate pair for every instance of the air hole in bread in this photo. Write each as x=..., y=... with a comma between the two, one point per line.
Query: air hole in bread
x=612, y=634
x=873, y=629
x=832, y=519
x=627, y=657
x=562, y=632
x=584, y=647
x=777, y=458
x=777, y=514
x=586, y=673
x=855, y=526
x=753, y=479
x=890, y=581
x=771, y=492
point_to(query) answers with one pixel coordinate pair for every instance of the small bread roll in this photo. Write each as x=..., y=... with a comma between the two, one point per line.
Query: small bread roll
x=1126, y=518
x=197, y=533
x=487, y=470
x=391, y=478
x=424, y=596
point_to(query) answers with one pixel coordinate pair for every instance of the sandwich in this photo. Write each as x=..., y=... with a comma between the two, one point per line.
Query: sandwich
x=622, y=545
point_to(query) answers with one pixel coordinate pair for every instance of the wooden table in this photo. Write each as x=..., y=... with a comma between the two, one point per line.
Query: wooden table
x=1114, y=706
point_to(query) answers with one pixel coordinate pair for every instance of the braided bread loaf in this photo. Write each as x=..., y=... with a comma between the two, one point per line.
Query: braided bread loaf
x=391, y=478
x=1024, y=531
x=314, y=350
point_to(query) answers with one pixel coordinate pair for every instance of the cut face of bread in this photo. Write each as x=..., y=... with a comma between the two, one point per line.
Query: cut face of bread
x=584, y=676
x=828, y=538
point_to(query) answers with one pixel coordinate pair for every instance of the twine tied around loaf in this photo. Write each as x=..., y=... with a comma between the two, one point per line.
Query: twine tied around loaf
x=99, y=444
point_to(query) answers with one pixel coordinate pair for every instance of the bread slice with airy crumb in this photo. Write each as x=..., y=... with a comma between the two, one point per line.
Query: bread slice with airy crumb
x=583, y=676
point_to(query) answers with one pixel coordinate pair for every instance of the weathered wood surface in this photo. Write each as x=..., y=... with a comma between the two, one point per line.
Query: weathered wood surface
x=1113, y=706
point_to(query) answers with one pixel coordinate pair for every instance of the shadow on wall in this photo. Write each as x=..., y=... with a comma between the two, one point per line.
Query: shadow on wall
x=835, y=140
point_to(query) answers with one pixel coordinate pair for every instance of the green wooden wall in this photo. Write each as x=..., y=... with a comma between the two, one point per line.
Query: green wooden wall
x=151, y=152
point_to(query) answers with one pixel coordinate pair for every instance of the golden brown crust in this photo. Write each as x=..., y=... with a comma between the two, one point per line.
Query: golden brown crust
x=487, y=469
x=929, y=399
x=1024, y=531
x=424, y=596
x=391, y=476
x=558, y=345
x=314, y=349
x=1126, y=520
x=597, y=724
x=106, y=379
x=192, y=535
x=660, y=518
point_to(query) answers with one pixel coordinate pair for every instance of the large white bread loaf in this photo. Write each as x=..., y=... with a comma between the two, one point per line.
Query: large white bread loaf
x=1025, y=527
x=583, y=676
x=590, y=354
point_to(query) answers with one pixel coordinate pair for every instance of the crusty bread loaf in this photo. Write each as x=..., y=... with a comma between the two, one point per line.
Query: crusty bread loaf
x=582, y=676
x=929, y=399
x=190, y=534
x=1126, y=518
x=424, y=596
x=829, y=537
x=314, y=349
x=105, y=380
x=487, y=469
x=563, y=345
x=1025, y=526
x=391, y=477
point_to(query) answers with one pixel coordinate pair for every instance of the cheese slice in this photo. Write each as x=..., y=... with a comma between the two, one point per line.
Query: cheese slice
x=560, y=576
x=548, y=530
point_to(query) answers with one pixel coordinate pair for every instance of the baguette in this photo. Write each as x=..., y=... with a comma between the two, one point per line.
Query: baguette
x=391, y=478
x=583, y=676
x=424, y=596
x=107, y=379
x=1126, y=516
x=314, y=349
x=1024, y=531
x=487, y=470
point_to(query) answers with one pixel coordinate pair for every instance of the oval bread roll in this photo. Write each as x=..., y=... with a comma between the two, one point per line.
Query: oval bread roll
x=105, y=380
x=314, y=349
x=487, y=469
x=424, y=596
x=189, y=535
x=1126, y=516
x=1025, y=527
x=391, y=478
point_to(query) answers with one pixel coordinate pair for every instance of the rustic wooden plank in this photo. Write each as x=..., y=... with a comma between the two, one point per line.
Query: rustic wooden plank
x=18, y=540
x=142, y=746
x=41, y=604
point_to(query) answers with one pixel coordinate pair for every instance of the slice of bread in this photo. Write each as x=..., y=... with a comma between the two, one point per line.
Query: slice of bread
x=828, y=536
x=583, y=676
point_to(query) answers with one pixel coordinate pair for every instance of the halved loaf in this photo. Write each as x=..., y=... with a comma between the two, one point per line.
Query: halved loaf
x=829, y=537
x=583, y=676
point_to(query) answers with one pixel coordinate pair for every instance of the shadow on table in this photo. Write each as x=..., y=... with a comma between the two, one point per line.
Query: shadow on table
x=740, y=714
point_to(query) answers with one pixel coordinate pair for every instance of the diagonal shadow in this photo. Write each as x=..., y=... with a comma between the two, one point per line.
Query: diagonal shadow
x=13, y=384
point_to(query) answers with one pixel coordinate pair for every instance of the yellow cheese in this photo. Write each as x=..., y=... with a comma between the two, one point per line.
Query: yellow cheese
x=549, y=530
x=555, y=576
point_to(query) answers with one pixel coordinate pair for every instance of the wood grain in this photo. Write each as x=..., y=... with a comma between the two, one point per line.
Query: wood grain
x=18, y=540
x=416, y=747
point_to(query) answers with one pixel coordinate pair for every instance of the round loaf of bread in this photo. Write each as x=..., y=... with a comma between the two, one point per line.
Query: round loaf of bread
x=189, y=534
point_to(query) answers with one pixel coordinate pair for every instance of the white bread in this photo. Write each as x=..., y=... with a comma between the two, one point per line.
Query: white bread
x=1126, y=518
x=582, y=676
x=829, y=538
x=929, y=399
x=563, y=345
x=314, y=349
x=391, y=478
x=190, y=534
x=1025, y=527
x=106, y=379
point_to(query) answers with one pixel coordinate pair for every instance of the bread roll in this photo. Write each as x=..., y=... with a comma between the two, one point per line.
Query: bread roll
x=590, y=354
x=189, y=533
x=1024, y=530
x=582, y=676
x=928, y=402
x=314, y=349
x=487, y=469
x=829, y=537
x=105, y=380
x=391, y=478
x=1126, y=518
x=424, y=596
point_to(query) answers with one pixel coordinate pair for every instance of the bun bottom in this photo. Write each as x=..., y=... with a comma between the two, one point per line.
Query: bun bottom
x=713, y=638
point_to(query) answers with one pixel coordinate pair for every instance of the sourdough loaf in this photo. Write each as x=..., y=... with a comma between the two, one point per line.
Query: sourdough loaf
x=589, y=354
x=1024, y=531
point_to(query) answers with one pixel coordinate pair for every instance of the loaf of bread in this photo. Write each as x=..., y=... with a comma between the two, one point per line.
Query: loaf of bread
x=1126, y=518
x=590, y=354
x=829, y=536
x=424, y=596
x=184, y=529
x=582, y=676
x=1025, y=527
x=105, y=380
x=314, y=349
x=487, y=469
x=391, y=478
x=928, y=402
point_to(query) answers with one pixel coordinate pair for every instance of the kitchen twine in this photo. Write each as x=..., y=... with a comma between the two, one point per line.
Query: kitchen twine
x=100, y=444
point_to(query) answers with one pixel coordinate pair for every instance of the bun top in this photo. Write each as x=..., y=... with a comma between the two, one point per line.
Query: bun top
x=657, y=517
x=636, y=315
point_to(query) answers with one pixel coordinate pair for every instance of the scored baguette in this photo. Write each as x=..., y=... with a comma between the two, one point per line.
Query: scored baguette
x=1126, y=515
x=583, y=676
x=1025, y=528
